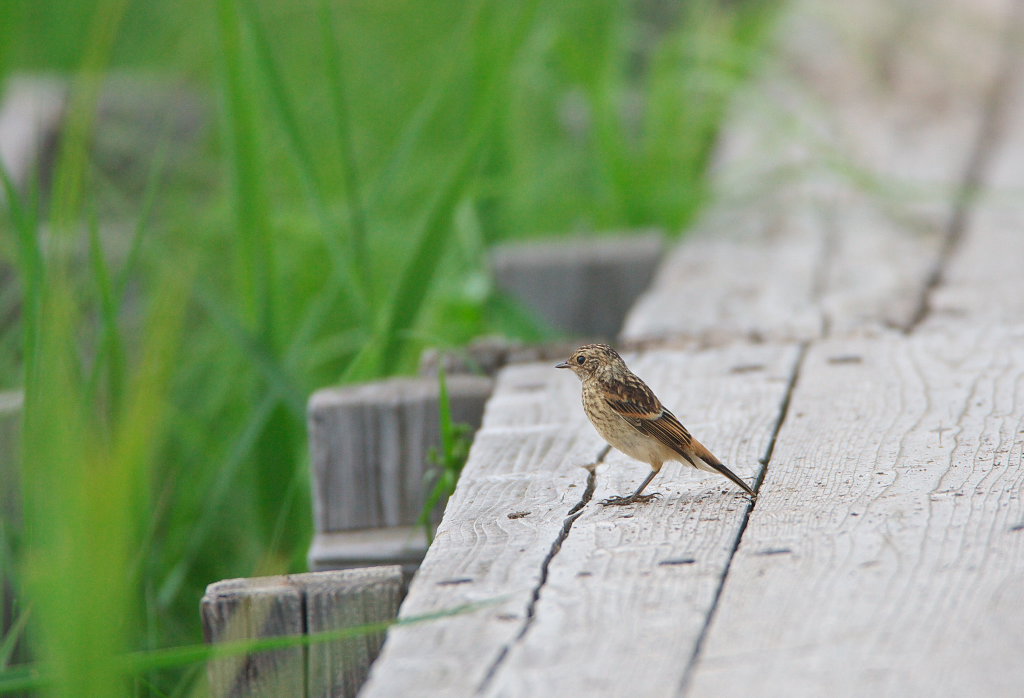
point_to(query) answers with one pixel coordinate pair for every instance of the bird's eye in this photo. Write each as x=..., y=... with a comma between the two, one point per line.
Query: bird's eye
x=581, y=360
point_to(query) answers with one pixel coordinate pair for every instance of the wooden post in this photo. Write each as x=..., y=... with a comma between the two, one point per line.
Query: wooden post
x=579, y=286
x=370, y=446
x=345, y=599
x=296, y=605
x=246, y=609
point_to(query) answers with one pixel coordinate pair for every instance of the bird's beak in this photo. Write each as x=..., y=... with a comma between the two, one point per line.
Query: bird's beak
x=564, y=364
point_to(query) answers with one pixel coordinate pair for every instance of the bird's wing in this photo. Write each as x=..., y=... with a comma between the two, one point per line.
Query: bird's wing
x=639, y=406
x=636, y=403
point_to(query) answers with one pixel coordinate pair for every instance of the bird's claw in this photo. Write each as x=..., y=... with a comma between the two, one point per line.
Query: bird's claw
x=622, y=501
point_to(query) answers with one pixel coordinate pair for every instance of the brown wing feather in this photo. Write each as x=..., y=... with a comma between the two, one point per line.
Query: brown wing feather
x=639, y=406
x=635, y=402
x=666, y=429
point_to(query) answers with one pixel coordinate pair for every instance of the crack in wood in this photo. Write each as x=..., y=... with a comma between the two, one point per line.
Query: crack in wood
x=556, y=546
x=794, y=377
x=991, y=130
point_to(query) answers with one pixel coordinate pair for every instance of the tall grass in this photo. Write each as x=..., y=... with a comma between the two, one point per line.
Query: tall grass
x=334, y=220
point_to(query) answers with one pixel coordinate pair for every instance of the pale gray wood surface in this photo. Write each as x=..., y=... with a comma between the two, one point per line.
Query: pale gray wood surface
x=839, y=175
x=885, y=555
x=370, y=446
x=245, y=609
x=504, y=537
x=983, y=280
x=389, y=545
x=347, y=599
x=295, y=605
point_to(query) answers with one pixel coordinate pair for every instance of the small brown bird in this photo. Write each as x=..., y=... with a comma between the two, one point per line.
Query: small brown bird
x=630, y=417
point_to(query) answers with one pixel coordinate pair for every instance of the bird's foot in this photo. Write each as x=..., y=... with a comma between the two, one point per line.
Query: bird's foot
x=622, y=501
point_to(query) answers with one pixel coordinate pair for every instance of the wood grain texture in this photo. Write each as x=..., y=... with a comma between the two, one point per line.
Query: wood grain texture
x=627, y=594
x=294, y=605
x=982, y=281
x=885, y=554
x=347, y=599
x=523, y=477
x=838, y=176
x=370, y=444
x=245, y=609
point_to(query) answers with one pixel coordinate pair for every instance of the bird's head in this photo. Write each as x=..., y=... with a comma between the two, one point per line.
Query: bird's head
x=594, y=360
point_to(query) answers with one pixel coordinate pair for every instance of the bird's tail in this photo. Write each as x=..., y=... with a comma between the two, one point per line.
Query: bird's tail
x=705, y=460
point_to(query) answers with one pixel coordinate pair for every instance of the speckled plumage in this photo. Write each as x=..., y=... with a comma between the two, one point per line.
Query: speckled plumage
x=630, y=417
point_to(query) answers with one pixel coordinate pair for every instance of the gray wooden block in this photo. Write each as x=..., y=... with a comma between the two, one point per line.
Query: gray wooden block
x=245, y=609
x=300, y=604
x=579, y=286
x=30, y=118
x=346, y=599
x=390, y=545
x=370, y=446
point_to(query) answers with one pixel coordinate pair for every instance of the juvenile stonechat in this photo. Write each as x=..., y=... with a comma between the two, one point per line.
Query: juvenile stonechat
x=630, y=417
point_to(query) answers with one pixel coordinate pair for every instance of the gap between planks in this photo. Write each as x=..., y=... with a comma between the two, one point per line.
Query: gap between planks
x=765, y=464
x=991, y=131
x=574, y=513
x=587, y=496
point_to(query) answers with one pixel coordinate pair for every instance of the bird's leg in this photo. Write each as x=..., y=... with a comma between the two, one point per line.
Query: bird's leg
x=636, y=496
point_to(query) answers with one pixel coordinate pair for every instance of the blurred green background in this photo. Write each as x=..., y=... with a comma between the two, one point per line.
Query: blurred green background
x=283, y=196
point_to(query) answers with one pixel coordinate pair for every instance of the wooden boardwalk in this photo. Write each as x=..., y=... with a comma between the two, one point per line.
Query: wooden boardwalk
x=847, y=326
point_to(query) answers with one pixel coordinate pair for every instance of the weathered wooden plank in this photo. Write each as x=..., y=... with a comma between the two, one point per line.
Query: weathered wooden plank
x=982, y=281
x=838, y=176
x=744, y=275
x=582, y=287
x=365, y=547
x=347, y=599
x=627, y=595
x=522, y=479
x=246, y=609
x=885, y=552
x=370, y=444
x=293, y=605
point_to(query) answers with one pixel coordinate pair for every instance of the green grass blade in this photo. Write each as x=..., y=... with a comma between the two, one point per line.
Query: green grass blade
x=259, y=354
x=353, y=260
x=335, y=82
x=110, y=358
x=250, y=197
